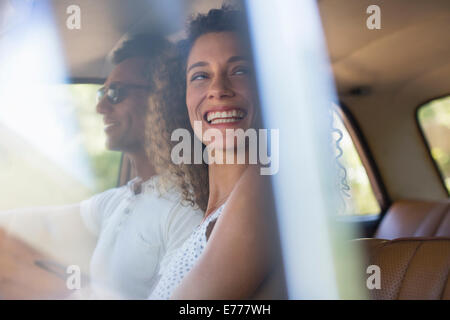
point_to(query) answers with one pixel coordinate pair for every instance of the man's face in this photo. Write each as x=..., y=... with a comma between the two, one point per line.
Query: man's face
x=125, y=120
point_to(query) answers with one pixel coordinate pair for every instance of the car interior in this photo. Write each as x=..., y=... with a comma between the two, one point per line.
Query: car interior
x=382, y=76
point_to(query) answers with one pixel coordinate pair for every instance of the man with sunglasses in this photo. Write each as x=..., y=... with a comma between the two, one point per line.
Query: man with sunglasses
x=138, y=227
x=128, y=233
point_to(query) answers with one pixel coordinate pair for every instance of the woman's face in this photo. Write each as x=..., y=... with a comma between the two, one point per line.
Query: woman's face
x=219, y=89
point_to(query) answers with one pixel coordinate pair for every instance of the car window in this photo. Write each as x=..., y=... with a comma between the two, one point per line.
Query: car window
x=357, y=195
x=434, y=120
x=53, y=151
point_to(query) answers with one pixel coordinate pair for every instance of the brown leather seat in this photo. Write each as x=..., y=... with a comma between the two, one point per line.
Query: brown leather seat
x=410, y=268
x=412, y=218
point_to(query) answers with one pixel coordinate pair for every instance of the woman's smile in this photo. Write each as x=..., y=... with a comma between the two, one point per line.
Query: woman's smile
x=224, y=116
x=219, y=88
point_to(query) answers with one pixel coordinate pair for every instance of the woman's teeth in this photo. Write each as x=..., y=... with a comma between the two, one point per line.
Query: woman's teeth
x=224, y=116
x=216, y=121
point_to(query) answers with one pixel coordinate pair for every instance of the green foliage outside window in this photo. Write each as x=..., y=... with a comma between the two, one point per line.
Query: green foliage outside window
x=104, y=163
x=359, y=199
x=434, y=119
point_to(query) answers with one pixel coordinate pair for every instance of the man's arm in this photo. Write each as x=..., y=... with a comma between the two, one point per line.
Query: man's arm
x=57, y=231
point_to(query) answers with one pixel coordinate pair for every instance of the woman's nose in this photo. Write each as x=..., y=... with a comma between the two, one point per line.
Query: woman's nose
x=220, y=87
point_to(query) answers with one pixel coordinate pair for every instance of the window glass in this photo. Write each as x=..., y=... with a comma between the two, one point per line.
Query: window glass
x=52, y=148
x=357, y=196
x=434, y=119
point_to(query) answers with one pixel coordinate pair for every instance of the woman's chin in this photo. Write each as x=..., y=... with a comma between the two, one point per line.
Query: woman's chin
x=226, y=151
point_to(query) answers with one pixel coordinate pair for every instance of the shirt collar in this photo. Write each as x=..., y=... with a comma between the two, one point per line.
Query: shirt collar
x=146, y=186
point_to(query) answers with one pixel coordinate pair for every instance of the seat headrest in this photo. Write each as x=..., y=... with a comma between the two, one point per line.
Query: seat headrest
x=414, y=218
x=410, y=268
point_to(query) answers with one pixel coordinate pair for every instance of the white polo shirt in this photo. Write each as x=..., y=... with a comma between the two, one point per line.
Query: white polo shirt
x=137, y=237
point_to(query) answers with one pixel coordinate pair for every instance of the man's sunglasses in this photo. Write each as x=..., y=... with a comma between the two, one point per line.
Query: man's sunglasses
x=116, y=93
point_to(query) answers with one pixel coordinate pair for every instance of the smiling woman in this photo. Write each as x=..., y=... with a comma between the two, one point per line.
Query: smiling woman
x=175, y=105
x=234, y=253
x=220, y=92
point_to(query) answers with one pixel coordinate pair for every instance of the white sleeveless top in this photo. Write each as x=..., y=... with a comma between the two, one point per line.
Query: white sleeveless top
x=184, y=260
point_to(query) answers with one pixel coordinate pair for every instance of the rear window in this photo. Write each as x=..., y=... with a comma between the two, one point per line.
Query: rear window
x=357, y=195
x=434, y=120
x=52, y=147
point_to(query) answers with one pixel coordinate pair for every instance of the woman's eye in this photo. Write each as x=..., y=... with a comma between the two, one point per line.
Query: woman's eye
x=241, y=71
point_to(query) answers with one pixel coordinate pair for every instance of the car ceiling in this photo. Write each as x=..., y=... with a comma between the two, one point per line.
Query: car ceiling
x=403, y=65
x=105, y=23
x=412, y=43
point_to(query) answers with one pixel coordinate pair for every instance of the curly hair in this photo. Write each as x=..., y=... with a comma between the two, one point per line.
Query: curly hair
x=166, y=113
x=168, y=110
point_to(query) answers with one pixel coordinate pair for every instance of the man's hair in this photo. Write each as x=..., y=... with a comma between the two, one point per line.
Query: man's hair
x=150, y=46
x=142, y=46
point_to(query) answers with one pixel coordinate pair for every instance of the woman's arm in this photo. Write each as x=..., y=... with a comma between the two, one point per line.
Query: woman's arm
x=242, y=249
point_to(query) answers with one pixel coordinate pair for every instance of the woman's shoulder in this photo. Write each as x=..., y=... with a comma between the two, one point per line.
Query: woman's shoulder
x=244, y=237
x=253, y=180
x=252, y=191
x=249, y=204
